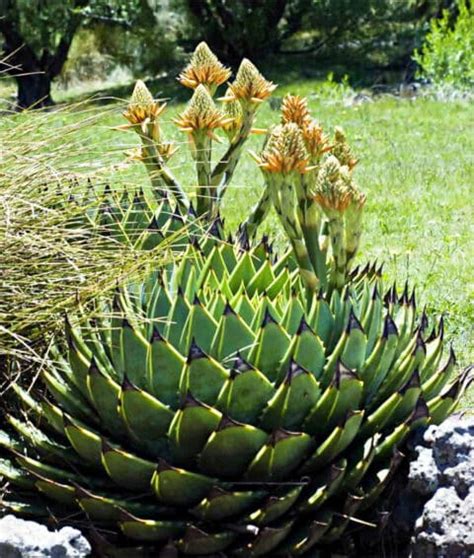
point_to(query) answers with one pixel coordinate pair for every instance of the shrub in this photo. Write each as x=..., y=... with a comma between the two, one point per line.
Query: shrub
x=447, y=57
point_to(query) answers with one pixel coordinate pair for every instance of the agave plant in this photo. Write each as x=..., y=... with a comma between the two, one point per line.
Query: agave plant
x=210, y=409
x=233, y=402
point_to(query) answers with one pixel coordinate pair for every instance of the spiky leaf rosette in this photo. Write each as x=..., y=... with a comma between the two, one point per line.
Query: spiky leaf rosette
x=140, y=220
x=210, y=410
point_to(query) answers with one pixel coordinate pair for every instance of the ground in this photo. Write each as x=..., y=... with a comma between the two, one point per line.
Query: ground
x=416, y=166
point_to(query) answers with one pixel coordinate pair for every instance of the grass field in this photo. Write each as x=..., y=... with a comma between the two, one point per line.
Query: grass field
x=416, y=167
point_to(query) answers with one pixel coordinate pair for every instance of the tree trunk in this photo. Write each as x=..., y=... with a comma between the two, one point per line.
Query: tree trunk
x=34, y=71
x=34, y=90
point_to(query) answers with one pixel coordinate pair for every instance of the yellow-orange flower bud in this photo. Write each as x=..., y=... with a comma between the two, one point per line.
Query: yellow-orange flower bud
x=142, y=106
x=201, y=113
x=332, y=192
x=295, y=109
x=204, y=68
x=315, y=140
x=285, y=151
x=250, y=85
x=342, y=150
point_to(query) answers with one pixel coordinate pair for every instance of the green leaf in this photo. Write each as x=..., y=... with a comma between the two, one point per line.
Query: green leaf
x=164, y=369
x=231, y=448
x=178, y=487
x=127, y=470
x=190, y=429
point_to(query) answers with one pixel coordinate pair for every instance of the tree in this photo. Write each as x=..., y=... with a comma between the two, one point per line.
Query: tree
x=374, y=25
x=384, y=32
x=237, y=29
x=38, y=35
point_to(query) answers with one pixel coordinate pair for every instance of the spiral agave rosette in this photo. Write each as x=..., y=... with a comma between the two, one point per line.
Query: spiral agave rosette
x=212, y=409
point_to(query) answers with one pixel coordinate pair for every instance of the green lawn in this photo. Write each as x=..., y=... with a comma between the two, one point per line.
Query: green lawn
x=416, y=167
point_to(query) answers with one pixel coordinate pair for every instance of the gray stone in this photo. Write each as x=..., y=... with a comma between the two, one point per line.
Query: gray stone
x=460, y=476
x=423, y=475
x=28, y=539
x=443, y=475
x=453, y=442
x=445, y=529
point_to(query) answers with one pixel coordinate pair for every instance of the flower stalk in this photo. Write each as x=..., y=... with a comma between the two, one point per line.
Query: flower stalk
x=202, y=121
x=313, y=194
x=143, y=115
x=243, y=97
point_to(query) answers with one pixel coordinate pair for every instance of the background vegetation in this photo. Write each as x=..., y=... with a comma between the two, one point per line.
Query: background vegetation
x=44, y=41
x=447, y=56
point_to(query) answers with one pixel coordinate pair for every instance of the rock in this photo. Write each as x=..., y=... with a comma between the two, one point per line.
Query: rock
x=453, y=441
x=441, y=487
x=423, y=475
x=28, y=539
x=445, y=529
x=431, y=501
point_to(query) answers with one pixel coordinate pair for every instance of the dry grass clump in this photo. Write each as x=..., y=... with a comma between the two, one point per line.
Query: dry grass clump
x=51, y=260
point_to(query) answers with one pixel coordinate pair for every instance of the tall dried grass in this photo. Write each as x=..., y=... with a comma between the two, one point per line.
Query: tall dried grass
x=50, y=260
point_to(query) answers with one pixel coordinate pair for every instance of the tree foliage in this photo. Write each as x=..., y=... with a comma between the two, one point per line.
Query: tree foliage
x=392, y=28
x=38, y=35
x=237, y=29
x=447, y=56
x=388, y=28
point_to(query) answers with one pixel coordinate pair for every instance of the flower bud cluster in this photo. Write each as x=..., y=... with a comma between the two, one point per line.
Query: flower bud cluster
x=205, y=69
x=285, y=151
x=142, y=106
x=201, y=113
x=335, y=188
x=342, y=150
x=249, y=86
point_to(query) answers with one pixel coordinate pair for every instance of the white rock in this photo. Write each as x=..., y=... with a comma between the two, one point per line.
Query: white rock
x=28, y=539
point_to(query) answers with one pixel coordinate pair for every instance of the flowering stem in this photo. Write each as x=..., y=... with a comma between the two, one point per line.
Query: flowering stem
x=281, y=197
x=336, y=233
x=224, y=170
x=258, y=213
x=316, y=255
x=353, y=219
x=205, y=194
x=157, y=168
x=309, y=217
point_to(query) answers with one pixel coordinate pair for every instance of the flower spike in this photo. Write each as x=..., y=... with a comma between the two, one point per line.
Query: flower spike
x=285, y=151
x=142, y=106
x=201, y=113
x=295, y=109
x=204, y=69
x=332, y=192
x=342, y=150
x=249, y=85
